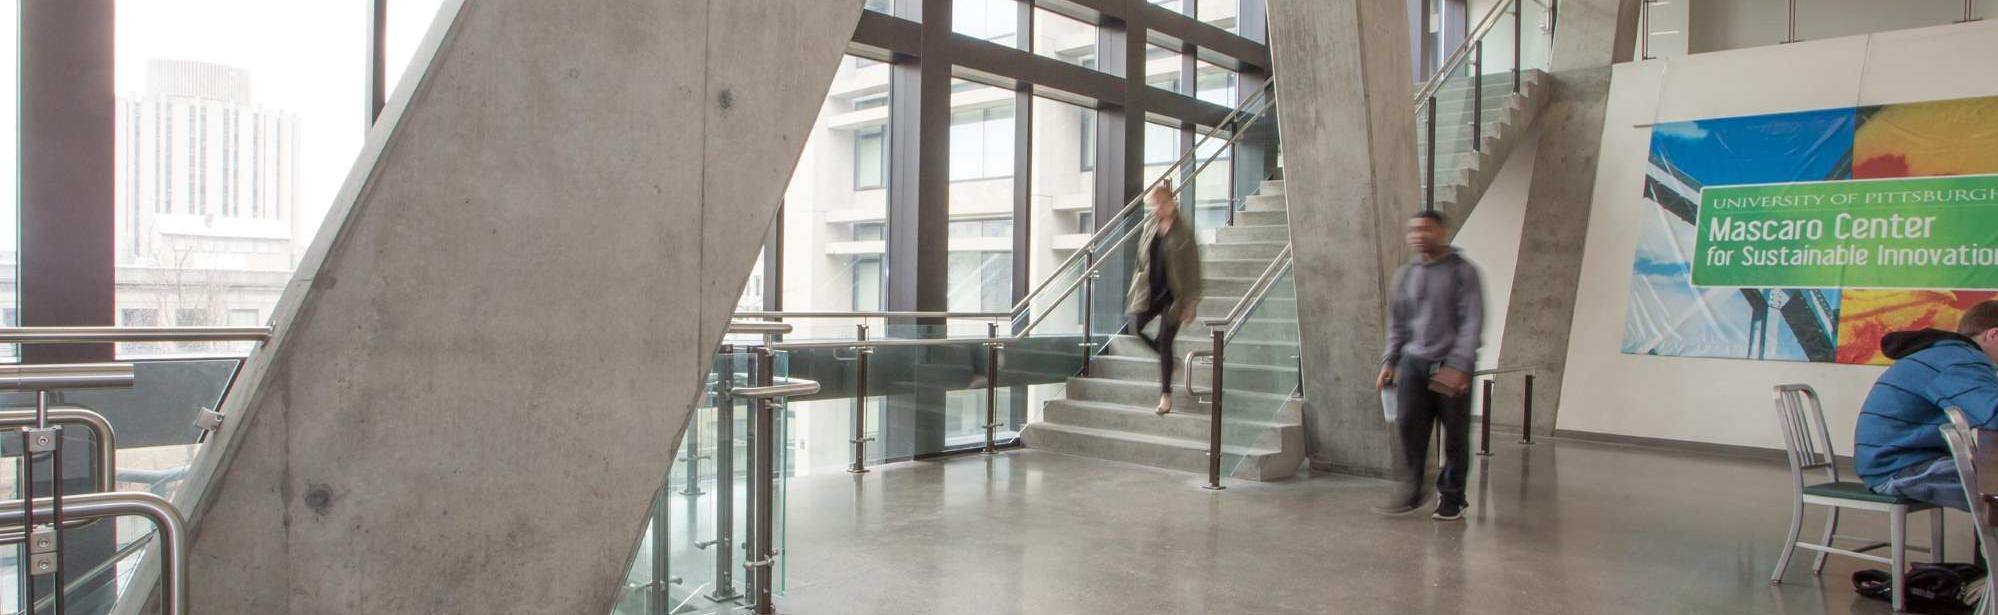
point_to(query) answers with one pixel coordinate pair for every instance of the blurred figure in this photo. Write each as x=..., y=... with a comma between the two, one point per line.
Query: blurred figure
x=1166, y=286
x=1436, y=314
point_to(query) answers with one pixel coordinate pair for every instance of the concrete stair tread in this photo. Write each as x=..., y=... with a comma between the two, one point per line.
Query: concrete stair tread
x=1194, y=445
x=1145, y=421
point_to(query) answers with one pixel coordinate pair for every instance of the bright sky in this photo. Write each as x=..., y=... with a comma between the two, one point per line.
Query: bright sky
x=305, y=57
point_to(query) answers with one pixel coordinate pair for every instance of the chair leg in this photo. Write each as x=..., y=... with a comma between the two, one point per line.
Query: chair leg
x=1897, y=535
x=1790, y=543
x=1936, y=536
x=1831, y=529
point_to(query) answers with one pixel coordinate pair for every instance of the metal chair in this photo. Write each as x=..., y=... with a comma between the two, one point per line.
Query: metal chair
x=1810, y=449
x=1962, y=441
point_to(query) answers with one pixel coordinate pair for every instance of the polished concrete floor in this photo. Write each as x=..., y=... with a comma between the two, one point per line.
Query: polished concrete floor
x=1561, y=527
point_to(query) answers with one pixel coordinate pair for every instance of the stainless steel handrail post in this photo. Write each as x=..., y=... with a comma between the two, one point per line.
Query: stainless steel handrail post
x=1526, y=424
x=172, y=531
x=1644, y=31
x=1969, y=11
x=763, y=471
x=1485, y=423
x=656, y=597
x=1478, y=97
x=1518, y=16
x=1088, y=308
x=692, y=457
x=1429, y=173
x=991, y=389
x=861, y=353
x=1214, y=409
x=724, y=540
x=1790, y=29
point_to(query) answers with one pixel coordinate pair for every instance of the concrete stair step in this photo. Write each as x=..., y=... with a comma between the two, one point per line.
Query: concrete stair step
x=1271, y=187
x=1263, y=218
x=1252, y=234
x=1141, y=420
x=1264, y=250
x=1266, y=202
x=1272, y=307
x=1273, y=379
x=1146, y=394
x=1170, y=453
x=1234, y=267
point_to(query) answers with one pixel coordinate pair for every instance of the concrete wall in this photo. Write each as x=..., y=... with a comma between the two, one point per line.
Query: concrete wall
x=485, y=360
x=1718, y=25
x=1717, y=400
x=1489, y=238
x=1349, y=159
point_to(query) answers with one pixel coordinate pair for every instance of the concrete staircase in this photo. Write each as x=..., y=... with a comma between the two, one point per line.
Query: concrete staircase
x=1462, y=175
x=1108, y=414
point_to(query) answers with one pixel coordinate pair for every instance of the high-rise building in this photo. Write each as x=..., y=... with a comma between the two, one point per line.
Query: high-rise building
x=207, y=199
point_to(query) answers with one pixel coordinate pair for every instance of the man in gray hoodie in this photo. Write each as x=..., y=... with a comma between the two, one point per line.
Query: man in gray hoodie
x=1436, y=312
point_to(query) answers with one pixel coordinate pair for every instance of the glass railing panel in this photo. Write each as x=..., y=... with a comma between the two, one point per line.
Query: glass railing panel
x=682, y=563
x=1443, y=131
x=156, y=440
x=1259, y=375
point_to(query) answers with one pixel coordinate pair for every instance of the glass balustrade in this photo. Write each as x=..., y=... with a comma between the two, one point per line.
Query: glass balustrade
x=1470, y=92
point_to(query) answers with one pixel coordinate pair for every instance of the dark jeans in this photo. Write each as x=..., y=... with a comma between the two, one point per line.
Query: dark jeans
x=1168, y=329
x=1418, y=409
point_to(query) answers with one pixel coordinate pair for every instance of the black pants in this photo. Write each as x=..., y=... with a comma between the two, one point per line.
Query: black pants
x=1418, y=409
x=1168, y=329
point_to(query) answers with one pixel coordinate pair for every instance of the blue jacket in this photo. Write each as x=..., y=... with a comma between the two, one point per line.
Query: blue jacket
x=1932, y=370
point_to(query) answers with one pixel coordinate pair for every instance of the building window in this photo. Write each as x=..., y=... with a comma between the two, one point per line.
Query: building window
x=1088, y=140
x=870, y=158
x=243, y=317
x=191, y=317
x=981, y=143
x=869, y=231
x=867, y=284
x=139, y=317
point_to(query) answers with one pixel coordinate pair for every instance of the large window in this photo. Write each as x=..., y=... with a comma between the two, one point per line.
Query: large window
x=237, y=121
x=993, y=20
x=1163, y=67
x=1214, y=84
x=980, y=271
x=835, y=208
x=408, y=21
x=1223, y=14
x=1063, y=197
x=1057, y=36
x=870, y=158
x=10, y=169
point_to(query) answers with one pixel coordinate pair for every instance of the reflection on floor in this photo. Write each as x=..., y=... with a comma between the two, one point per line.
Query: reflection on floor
x=1562, y=527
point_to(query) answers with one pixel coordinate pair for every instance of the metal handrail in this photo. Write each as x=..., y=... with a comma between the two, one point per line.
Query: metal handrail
x=1187, y=383
x=1463, y=52
x=79, y=335
x=763, y=328
x=109, y=564
x=1137, y=202
x=791, y=387
x=951, y=315
x=171, y=528
x=1236, y=315
x=65, y=376
x=96, y=424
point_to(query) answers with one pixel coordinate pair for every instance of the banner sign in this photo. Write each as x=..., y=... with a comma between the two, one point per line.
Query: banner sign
x=1809, y=235
x=1932, y=232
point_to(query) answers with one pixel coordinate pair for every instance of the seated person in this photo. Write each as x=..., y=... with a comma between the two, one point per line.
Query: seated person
x=1897, y=448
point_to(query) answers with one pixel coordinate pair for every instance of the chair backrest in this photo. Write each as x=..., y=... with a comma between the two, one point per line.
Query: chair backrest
x=1804, y=433
x=1962, y=441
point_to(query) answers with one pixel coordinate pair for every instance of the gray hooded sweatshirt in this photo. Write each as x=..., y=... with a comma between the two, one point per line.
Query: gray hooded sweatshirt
x=1436, y=311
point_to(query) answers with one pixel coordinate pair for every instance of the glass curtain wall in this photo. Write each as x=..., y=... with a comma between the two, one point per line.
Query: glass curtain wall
x=10, y=173
x=237, y=120
x=1062, y=38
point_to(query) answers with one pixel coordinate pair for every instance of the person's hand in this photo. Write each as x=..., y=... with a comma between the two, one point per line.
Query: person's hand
x=1455, y=379
x=1186, y=315
x=1386, y=378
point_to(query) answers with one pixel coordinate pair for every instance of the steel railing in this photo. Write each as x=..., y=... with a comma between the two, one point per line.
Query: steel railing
x=1221, y=331
x=1472, y=51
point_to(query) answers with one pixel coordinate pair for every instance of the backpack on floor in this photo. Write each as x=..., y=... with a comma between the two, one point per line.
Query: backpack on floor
x=1939, y=589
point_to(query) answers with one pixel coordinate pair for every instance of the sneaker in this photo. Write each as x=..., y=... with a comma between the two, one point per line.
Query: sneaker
x=1448, y=511
x=1396, y=509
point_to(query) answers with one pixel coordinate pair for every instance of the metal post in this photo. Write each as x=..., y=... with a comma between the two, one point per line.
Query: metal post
x=1644, y=32
x=1526, y=425
x=1478, y=95
x=1214, y=413
x=724, y=540
x=656, y=600
x=1088, y=304
x=44, y=545
x=1429, y=173
x=991, y=388
x=1790, y=31
x=692, y=459
x=1969, y=11
x=1485, y=423
x=1518, y=15
x=763, y=444
x=859, y=465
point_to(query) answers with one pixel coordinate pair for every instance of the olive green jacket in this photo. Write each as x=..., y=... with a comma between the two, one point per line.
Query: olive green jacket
x=1182, y=267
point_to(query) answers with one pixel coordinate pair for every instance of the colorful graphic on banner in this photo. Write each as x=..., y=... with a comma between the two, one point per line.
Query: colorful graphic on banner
x=1792, y=296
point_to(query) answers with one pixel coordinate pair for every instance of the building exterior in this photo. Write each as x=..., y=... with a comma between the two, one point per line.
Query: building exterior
x=207, y=199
